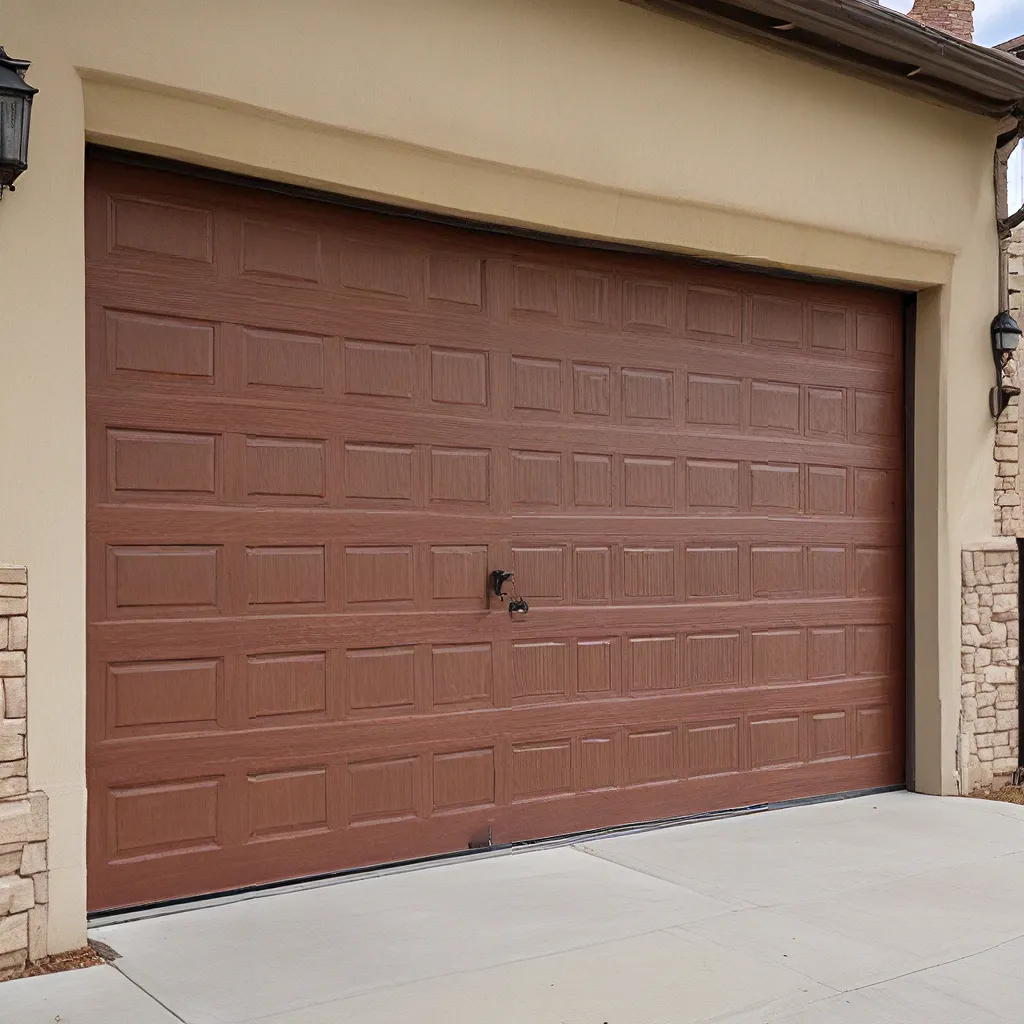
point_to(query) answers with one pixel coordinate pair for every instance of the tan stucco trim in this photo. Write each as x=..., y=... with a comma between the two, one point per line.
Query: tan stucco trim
x=231, y=136
x=594, y=120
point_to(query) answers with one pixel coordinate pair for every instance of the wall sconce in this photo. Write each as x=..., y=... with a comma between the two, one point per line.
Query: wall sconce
x=1005, y=339
x=15, y=114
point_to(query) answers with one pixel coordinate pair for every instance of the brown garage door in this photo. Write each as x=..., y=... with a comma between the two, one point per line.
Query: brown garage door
x=313, y=432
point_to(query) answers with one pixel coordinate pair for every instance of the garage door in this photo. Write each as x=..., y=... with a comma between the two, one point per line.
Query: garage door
x=314, y=432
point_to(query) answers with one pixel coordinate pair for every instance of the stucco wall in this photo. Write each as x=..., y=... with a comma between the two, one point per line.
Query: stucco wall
x=585, y=117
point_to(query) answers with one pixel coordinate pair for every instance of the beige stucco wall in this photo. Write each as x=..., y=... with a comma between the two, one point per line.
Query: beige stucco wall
x=586, y=117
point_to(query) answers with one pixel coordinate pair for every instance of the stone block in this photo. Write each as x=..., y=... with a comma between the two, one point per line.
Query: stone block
x=971, y=636
x=37, y=933
x=33, y=858
x=967, y=662
x=967, y=559
x=12, y=663
x=988, y=711
x=1006, y=720
x=979, y=560
x=1005, y=453
x=13, y=590
x=1000, y=557
x=15, y=698
x=986, y=753
x=12, y=745
x=41, y=884
x=4, y=633
x=18, y=633
x=13, y=574
x=1002, y=674
x=15, y=786
x=1008, y=499
x=1007, y=690
x=982, y=658
x=986, y=698
x=23, y=820
x=13, y=933
x=9, y=769
x=13, y=606
x=985, y=739
x=970, y=599
x=18, y=726
x=16, y=894
x=1004, y=765
x=970, y=616
x=984, y=724
x=12, y=963
x=985, y=598
x=970, y=579
x=1004, y=588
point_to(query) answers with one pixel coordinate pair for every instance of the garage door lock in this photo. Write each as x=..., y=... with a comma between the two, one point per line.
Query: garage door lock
x=516, y=604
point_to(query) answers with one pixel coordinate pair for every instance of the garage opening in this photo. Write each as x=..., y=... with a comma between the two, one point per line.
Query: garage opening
x=313, y=434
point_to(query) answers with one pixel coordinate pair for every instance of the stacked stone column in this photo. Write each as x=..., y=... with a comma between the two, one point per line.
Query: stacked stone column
x=23, y=815
x=989, y=657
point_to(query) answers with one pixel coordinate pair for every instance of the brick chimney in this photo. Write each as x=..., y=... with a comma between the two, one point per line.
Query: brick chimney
x=953, y=16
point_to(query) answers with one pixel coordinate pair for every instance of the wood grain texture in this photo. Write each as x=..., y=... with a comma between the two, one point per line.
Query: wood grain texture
x=312, y=432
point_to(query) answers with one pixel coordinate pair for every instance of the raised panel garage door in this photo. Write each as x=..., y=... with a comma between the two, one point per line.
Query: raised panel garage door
x=312, y=434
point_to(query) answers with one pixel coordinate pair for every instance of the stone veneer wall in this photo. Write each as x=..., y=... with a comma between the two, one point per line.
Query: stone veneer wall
x=989, y=655
x=1009, y=521
x=23, y=815
x=989, y=723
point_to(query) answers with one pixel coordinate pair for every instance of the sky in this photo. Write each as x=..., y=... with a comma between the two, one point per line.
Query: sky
x=995, y=21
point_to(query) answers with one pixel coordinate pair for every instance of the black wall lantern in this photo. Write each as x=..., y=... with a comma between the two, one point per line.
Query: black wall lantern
x=15, y=114
x=1005, y=339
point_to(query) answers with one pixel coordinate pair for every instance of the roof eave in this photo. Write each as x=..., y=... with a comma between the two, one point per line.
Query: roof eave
x=863, y=38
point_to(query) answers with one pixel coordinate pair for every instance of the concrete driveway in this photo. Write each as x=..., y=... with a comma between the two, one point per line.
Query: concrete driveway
x=893, y=909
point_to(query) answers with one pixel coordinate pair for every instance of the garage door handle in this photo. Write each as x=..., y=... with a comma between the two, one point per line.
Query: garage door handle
x=516, y=605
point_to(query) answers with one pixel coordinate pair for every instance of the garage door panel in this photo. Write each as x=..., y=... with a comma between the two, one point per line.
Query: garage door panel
x=507, y=710
x=401, y=581
x=597, y=363
x=313, y=432
x=646, y=482
x=159, y=876
x=116, y=640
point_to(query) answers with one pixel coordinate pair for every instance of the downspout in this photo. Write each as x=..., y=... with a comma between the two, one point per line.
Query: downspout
x=1006, y=141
